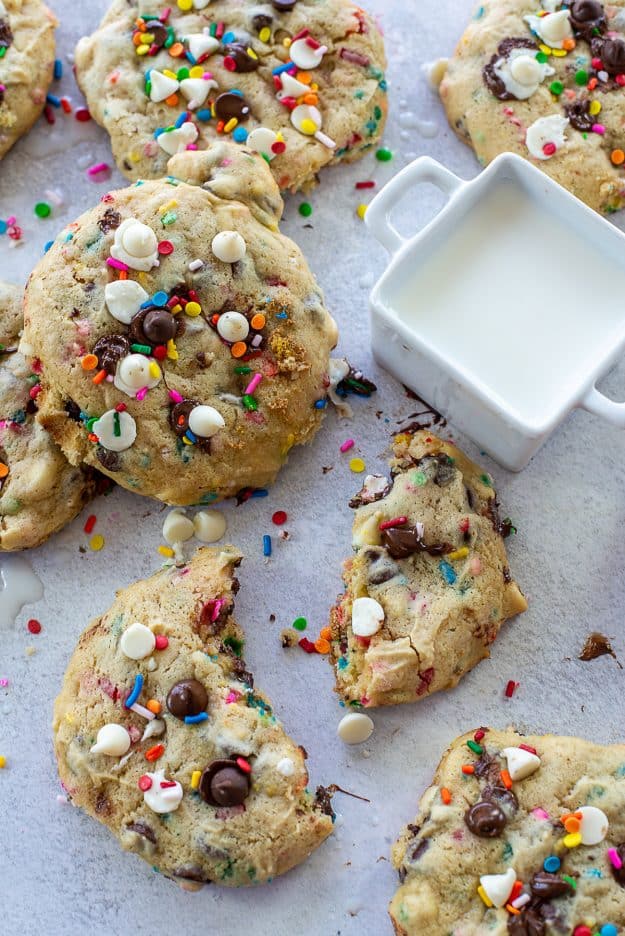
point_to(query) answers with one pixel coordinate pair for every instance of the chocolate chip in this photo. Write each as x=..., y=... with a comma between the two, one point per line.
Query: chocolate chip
x=73, y=410
x=588, y=18
x=142, y=829
x=109, y=460
x=546, y=885
x=527, y=923
x=110, y=350
x=485, y=819
x=179, y=416
x=420, y=849
x=223, y=783
x=243, y=62
x=110, y=220
x=613, y=55
x=159, y=31
x=190, y=873
x=619, y=873
x=261, y=21
x=491, y=79
x=159, y=326
x=6, y=35
x=188, y=697
x=229, y=105
x=323, y=801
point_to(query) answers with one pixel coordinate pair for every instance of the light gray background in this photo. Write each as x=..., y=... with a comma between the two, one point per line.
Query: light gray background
x=61, y=873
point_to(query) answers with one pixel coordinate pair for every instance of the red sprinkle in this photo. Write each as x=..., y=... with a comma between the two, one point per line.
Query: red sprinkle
x=34, y=392
x=527, y=747
x=165, y=248
x=396, y=522
x=67, y=107
x=549, y=149
x=90, y=523
x=34, y=626
x=121, y=408
x=479, y=735
x=278, y=147
x=165, y=784
x=597, y=64
x=162, y=642
x=82, y=114
x=160, y=352
x=49, y=114
x=279, y=517
x=145, y=782
x=307, y=645
x=364, y=185
x=229, y=63
x=620, y=80
x=510, y=689
x=244, y=765
x=464, y=525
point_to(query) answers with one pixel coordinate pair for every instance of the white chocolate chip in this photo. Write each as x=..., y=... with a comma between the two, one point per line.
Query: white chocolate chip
x=124, y=298
x=196, y=90
x=286, y=767
x=546, y=130
x=307, y=119
x=229, y=246
x=498, y=887
x=162, y=799
x=161, y=86
x=135, y=245
x=553, y=29
x=521, y=763
x=594, y=825
x=153, y=729
x=522, y=73
x=137, y=642
x=176, y=140
x=209, y=525
x=104, y=429
x=355, y=728
x=291, y=87
x=367, y=617
x=233, y=326
x=177, y=528
x=261, y=140
x=202, y=44
x=205, y=421
x=305, y=56
x=135, y=372
x=113, y=740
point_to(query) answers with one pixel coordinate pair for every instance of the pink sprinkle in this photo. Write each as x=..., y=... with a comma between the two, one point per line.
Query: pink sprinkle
x=475, y=566
x=540, y=814
x=233, y=696
x=162, y=642
x=4, y=683
x=598, y=128
x=117, y=264
x=549, y=149
x=597, y=64
x=479, y=734
x=615, y=858
x=191, y=146
x=98, y=168
x=142, y=393
x=347, y=445
x=11, y=220
x=175, y=396
x=254, y=382
x=355, y=57
x=165, y=15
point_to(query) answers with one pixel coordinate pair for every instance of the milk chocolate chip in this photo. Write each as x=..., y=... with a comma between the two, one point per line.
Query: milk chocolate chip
x=485, y=819
x=243, y=62
x=110, y=350
x=223, y=783
x=613, y=55
x=229, y=105
x=528, y=923
x=188, y=697
x=546, y=885
x=588, y=18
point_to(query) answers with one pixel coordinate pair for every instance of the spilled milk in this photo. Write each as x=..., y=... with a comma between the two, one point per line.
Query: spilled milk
x=19, y=586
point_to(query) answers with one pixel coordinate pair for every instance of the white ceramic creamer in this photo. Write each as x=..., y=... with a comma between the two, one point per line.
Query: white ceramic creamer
x=493, y=313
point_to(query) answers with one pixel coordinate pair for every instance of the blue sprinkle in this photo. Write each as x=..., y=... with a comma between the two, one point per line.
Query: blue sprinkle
x=551, y=864
x=239, y=134
x=228, y=37
x=195, y=719
x=203, y=114
x=321, y=404
x=160, y=298
x=46, y=247
x=182, y=119
x=282, y=68
x=3, y=227
x=447, y=572
x=158, y=132
x=608, y=929
x=190, y=57
x=282, y=315
x=260, y=492
x=236, y=91
x=266, y=545
x=136, y=692
x=191, y=436
x=53, y=100
x=58, y=69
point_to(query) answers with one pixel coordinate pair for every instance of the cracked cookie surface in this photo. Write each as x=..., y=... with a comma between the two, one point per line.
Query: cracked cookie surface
x=429, y=586
x=498, y=817
x=303, y=83
x=197, y=777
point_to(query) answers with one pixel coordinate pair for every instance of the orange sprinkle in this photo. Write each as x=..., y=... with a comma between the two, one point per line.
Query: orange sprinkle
x=572, y=825
x=123, y=274
x=311, y=99
x=140, y=24
x=172, y=100
x=258, y=321
x=304, y=77
x=4, y=470
x=99, y=377
x=507, y=779
x=592, y=84
x=220, y=126
x=93, y=437
x=153, y=706
x=322, y=645
x=155, y=752
x=238, y=349
x=89, y=362
x=512, y=909
x=137, y=39
x=468, y=769
x=326, y=633
x=177, y=50
x=569, y=44
x=446, y=796
x=618, y=157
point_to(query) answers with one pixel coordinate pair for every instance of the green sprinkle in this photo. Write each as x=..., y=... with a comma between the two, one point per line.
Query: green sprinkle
x=182, y=73
x=570, y=880
x=3, y=52
x=384, y=155
x=168, y=218
x=141, y=348
x=117, y=429
x=542, y=57
x=235, y=645
x=43, y=210
x=581, y=77
x=420, y=478
x=305, y=209
x=249, y=402
x=300, y=624
x=475, y=747
x=243, y=369
x=556, y=87
x=487, y=480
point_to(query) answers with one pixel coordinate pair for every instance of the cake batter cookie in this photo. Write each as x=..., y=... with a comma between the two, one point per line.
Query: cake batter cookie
x=429, y=584
x=161, y=735
x=40, y=492
x=517, y=836
x=546, y=81
x=26, y=66
x=184, y=342
x=300, y=82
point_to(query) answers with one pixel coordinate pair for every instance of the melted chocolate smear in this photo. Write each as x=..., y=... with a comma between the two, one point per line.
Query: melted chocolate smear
x=6, y=35
x=402, y=542
x=588, y=18
x=323, y=801
x=261, y=21
x=109, y=460
x=492, y=81
x=110, y=220
x=578, y=113
x=528, y=923
x=438, y=468
x=431, y=415
x=110, y=350
x=355, y=382
x=597, y=645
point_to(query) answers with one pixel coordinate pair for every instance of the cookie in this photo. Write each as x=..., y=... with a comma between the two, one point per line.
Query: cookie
x=184, y=342
x=161, y=735
x=26, y=66
x=429, y=584
x=545, y=81
x=40, y=492
x=300, y=82
x=518, y=835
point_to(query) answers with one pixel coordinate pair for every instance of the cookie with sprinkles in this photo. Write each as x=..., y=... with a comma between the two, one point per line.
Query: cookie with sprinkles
x=518, y=835
x=161, y=735
x=545, y=80
x=184, y=342
x=429, y=585
x=26, y=66
x=40, y=492
x=301, y=82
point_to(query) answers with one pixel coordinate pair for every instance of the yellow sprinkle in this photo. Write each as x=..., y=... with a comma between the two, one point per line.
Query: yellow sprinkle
x=279, y=136
x=290, y=442
x=308, y=126
x=170, y=204
x=192, y=309
x=357, y=465
x=573, y=840
x=595, y=108
x=166, y=551
x=559, y=53
x=172, y=352
x=232, y=123
x=251, y=53
x=361, y=211
x=459, y=553
x=97, y=542
x=484, y=896
x=195, y=779
x=287, y=43
x=155, y=370
x=176, y=309
x=170, y=74
x=545, y=48
x=147, y=38
x=142, y=277
x=134, y=156
x=3, y=761
x=142, y=49
x=185, y=5
x=186, y=441
x=196, y=72
x=265, y=34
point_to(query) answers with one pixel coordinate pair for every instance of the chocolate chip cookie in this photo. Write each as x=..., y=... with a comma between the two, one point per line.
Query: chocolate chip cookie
x=429, y=585
x=161, y=735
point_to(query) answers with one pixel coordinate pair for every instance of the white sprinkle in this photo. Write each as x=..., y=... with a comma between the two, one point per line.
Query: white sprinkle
x=140, y=710
x=521, y=901
x=196, y=265
x=256, y=340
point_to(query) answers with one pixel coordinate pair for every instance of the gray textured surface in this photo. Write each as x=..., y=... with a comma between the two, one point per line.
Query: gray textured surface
x=59, y=871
